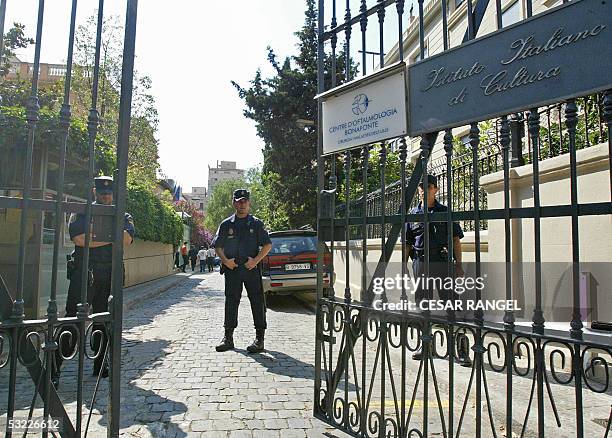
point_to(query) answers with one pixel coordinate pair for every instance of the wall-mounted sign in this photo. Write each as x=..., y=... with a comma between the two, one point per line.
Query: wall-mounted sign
x=368, y=110
x=562, y=53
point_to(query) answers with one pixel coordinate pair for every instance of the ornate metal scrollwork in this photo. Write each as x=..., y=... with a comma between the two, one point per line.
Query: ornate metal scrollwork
x=5, y=340
x=36, y=339
x=494, y=346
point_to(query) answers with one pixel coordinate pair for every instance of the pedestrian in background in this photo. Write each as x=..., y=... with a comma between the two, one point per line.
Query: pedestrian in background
x=177, y=259
x=210, y=258
x=238, y=242
x=184, y=255
x=193, y=257
x=202, y=255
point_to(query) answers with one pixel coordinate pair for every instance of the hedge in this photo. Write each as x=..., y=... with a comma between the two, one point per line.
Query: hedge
x=154, y=219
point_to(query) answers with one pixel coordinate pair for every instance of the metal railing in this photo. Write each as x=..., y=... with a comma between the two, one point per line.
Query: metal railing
x=30, y=349
x=590, y=131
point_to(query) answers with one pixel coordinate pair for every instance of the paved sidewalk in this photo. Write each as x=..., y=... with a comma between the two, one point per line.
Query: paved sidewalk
x=134, y=295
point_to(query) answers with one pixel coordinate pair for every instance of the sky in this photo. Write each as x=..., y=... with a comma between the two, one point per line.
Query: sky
x=191, y=49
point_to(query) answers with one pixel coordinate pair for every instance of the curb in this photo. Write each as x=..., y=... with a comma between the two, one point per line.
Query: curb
x=152, y=292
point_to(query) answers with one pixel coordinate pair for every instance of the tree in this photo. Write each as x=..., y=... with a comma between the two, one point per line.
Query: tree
x=267, y=207
x=14, y=39
x=275, y=104
x=392, y=172
x=143, y=157
x=220, y=203
x=195, y=219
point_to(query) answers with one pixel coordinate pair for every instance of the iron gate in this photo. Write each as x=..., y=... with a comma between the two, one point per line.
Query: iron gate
x=524, y=378
x=28, y=346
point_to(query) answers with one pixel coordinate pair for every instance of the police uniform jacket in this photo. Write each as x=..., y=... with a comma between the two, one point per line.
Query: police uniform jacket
x=415, y=231
x=241, y=238
x=100, y=254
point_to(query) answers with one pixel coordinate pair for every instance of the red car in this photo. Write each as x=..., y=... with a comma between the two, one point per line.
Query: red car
x=291, y=265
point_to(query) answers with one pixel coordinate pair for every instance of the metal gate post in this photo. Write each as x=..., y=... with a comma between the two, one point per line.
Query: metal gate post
x=123, y=141
x=517, y=132
x=320, y=207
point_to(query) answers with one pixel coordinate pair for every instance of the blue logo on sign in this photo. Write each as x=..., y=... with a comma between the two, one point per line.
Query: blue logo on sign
x=360, y=104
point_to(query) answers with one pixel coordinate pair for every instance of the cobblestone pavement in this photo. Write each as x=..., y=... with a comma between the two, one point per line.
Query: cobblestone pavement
x=176, y=384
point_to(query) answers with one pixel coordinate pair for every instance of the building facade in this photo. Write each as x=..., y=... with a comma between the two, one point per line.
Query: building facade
x=223, y=171
x=48, y=73
x=198, y=197
x=512, y=12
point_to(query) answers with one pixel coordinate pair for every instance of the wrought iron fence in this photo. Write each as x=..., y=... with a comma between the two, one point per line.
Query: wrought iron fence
x=31, y=347
x=590, y=131
x=399, y=372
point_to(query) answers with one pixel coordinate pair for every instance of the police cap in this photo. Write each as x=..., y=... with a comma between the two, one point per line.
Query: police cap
x=240, y=194
x=104, y=185
x=431, y=179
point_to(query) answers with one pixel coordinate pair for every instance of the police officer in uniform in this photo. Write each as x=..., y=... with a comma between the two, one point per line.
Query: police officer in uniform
x=99, y=274
x=438, y=251
x=237, y=243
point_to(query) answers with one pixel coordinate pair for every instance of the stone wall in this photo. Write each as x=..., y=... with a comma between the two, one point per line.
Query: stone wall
x=146, y=261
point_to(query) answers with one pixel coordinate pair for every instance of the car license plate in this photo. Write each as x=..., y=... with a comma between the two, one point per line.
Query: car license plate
x=297, y=266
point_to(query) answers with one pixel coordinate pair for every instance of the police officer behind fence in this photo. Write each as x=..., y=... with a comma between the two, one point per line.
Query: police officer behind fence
x=237, y=244
x=99, y=276
x=438, y=251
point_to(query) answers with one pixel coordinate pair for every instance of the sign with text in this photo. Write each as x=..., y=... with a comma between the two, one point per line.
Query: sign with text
x=365, y=111
x=562, y=53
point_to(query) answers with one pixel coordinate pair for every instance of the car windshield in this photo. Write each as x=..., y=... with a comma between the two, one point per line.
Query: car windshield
x=293, y=244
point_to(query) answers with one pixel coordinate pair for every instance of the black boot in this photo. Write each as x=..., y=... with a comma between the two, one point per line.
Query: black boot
x=227, y=343
x=258, y=344
x=99, y=369
x=463, y=356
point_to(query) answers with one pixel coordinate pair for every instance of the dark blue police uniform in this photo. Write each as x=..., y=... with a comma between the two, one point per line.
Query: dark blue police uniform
x=438, y=249
x=100, y=265
x=99, y=282
x=241, y=238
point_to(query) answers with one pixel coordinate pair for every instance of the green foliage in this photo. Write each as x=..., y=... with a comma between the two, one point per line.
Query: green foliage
x=266, y=206
x=14, y=131
x=143, y=157
x=13, y=39
x=263, y=204
x=154, y=219
x=220, y=203
x=17, y=92
x=587, y=129
x=392, y=172
x=275, y=104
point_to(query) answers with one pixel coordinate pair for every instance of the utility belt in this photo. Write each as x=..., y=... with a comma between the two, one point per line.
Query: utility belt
x=434, y=253
x=240, y=261
x=75, y=264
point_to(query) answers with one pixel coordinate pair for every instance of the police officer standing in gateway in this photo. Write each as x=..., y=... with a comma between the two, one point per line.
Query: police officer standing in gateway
x=438, y=252
x=238, y=242
x=99, y=274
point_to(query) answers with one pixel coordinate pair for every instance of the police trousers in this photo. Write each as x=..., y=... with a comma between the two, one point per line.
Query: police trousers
x=97, y=297
x=438, y=274
x=234, y=280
